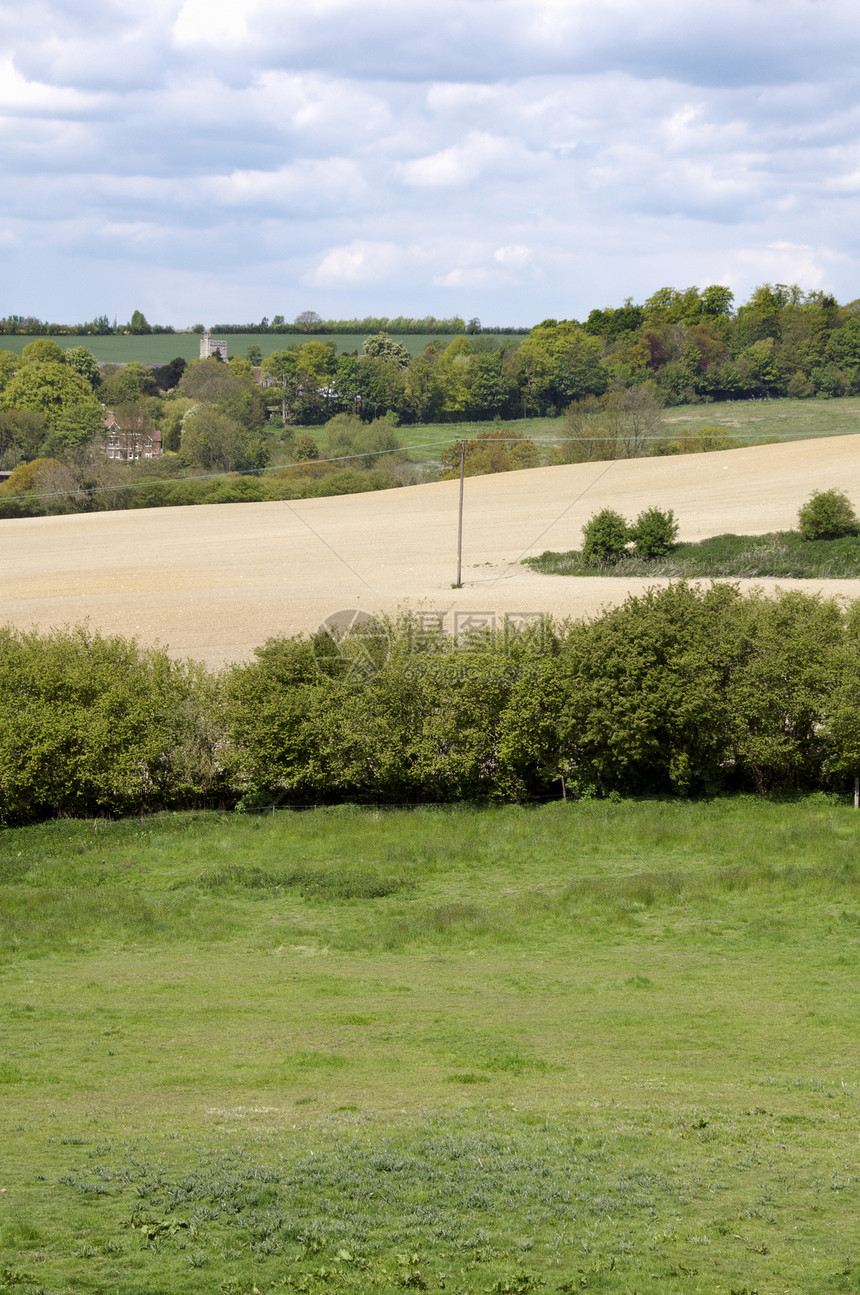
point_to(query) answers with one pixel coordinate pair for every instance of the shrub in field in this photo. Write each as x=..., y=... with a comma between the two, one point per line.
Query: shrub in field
x=640, y=693
x=100, y=726
x=827, y=515
x=654, y=533
x=604, y=538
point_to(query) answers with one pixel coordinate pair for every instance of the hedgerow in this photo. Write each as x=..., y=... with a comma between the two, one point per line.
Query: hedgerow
x=682, y=691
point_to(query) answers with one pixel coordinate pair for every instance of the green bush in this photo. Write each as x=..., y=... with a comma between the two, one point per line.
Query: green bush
x=100, y=726
x=827, y=515
x=604, y=538
x=681, y=691
x=654, y=533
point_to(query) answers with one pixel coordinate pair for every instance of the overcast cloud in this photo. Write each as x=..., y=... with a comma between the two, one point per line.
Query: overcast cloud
x=211, y=160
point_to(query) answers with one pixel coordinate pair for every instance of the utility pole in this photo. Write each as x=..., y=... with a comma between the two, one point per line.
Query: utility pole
x=459, y=583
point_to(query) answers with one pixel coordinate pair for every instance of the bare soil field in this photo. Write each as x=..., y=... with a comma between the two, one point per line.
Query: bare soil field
x=214, y=582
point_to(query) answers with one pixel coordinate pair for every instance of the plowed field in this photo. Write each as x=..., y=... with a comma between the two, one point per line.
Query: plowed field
x=213, y=582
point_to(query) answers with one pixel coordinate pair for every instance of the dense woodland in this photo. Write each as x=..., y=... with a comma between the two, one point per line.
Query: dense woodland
x=609, y=377
x=683, y=691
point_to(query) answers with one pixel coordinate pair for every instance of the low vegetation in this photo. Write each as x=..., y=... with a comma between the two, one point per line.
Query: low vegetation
x=782, y=554
x=827, y=515
x=826, y=545
x=595, y=1046
x=682, y=691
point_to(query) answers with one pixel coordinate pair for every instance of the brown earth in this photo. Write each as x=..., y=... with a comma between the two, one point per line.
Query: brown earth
x=214, y=582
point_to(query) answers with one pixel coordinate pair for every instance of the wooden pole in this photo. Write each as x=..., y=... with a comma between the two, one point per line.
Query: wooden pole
x=460, y=522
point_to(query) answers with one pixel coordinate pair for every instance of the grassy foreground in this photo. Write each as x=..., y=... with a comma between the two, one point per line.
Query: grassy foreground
x=599, y=1046
x=779, y=553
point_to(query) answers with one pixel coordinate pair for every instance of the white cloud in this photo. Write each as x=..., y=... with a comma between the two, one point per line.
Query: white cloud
x=358, y=262
x=516, y=254
x=461, y=164
x=784, y=263
x=329, y=180
x=508, y=158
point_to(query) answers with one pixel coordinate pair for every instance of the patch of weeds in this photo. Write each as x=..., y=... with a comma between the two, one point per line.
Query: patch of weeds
x=317, y=1061
x=331, y=882
x=20, y=1236
x=520, y=1284
x=514, y=1063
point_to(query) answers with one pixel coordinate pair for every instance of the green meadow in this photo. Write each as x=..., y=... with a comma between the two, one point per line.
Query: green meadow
x=605, y=1046
x=161, y=348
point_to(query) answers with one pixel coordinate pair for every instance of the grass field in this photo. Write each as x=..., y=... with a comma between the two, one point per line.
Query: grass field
x=160, y=348
x=782, y=419
x=609, y=1047
x=779, y=554
x=753, y=422
x=426, y=442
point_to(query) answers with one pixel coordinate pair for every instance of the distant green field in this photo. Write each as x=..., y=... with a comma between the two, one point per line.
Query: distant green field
x=425, y=442
x=763, y=419
x=594, y=1046
x=160, y=348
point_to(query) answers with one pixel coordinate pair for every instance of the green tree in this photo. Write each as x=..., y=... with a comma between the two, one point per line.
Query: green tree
x=233, y=391
x=22, y=432
x=108, y=728
x=654, y=533
x=45, y=387
x=305, y=448
x=43, y=350
x=585, y=433
x=559, y=363
x=138, y=324
x=122, y=384
x=827, y=515
x=785, y=667
x=381, y=346
x=604, y=538
x=212, y=439
x=9, y=365
x=308, y=320
x=76, y=425
x=84, y=363
x=640, y=704
x=282, y=368
x=346, y=435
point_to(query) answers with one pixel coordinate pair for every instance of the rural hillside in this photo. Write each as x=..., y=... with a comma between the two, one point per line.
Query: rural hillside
x=213, y=583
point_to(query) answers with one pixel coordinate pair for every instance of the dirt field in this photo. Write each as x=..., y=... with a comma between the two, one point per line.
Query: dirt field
x=213, y=582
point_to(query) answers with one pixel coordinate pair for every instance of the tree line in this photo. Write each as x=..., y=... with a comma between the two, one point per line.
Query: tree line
x=307, y=321
x=682, y=691
x=610, y=378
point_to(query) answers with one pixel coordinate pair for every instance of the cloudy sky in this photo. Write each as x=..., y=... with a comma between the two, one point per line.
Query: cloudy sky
x=218, y=160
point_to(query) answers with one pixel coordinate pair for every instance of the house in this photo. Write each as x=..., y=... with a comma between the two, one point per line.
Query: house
x=133, y=441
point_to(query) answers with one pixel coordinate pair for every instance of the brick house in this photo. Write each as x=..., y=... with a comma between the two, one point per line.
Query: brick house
x=134, y=441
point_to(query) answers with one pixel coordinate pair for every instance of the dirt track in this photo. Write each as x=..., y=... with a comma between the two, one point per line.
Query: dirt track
x=213, y=582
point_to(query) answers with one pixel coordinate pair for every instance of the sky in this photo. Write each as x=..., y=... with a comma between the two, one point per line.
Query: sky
x=213, y=161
